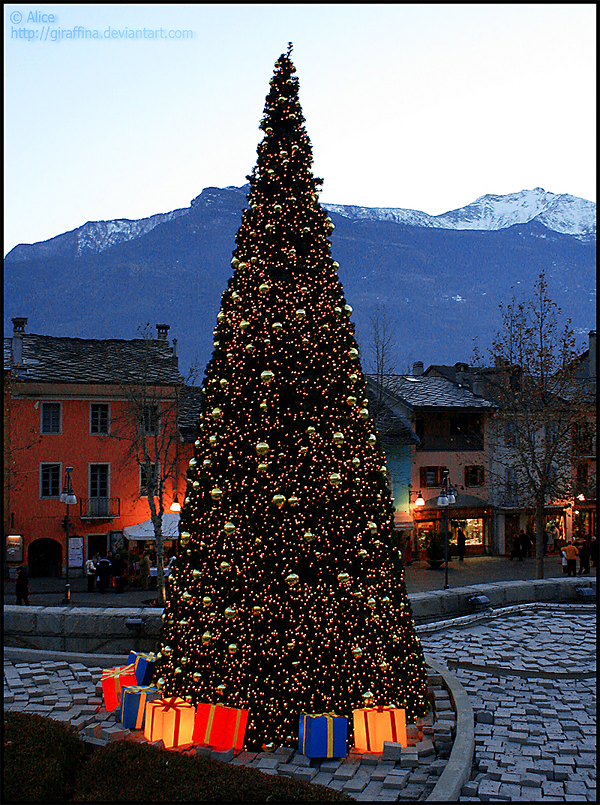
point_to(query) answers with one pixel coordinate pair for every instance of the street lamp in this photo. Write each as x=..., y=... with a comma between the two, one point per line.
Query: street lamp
x=69, y=498
x=445, y=499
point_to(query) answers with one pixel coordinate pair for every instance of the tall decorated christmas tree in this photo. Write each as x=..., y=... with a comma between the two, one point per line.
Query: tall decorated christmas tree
x=288, y=595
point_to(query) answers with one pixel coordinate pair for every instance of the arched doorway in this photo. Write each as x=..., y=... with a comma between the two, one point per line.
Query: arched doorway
x=45, y=558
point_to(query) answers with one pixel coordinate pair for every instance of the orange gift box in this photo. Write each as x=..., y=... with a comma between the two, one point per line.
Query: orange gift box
x=113, y=681
x=375, y=725
x=220, y=727
x=170, y=721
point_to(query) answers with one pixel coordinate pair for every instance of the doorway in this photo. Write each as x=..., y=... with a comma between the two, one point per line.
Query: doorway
x=45, y=558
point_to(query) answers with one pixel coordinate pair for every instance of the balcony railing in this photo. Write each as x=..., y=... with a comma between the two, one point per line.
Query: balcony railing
x=432, y=442
x=99, y=508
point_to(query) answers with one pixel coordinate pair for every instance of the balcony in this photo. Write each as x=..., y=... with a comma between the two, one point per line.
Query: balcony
x=99, y=508
x=433, y=442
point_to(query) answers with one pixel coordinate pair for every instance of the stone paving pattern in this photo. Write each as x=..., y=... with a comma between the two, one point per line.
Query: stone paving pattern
x=535, y=713
x=535, y=734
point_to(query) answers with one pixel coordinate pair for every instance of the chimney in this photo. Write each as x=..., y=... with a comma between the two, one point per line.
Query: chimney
x=174, y=347
x=462, y=373
x=17, y=340
x=478, y=385
x=417, y=369
x=591, y=356
x=162, y=329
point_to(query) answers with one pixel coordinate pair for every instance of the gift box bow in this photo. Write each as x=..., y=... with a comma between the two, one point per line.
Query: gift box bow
x=329, y=717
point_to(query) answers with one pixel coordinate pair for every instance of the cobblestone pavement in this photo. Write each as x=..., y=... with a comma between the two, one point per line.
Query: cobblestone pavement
x=529, y=673
x=531, y=678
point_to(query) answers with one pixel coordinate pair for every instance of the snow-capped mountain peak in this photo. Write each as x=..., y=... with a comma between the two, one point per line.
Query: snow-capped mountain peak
x=560, y=212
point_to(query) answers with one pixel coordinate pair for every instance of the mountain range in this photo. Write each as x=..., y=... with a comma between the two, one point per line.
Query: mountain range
x=439, y=278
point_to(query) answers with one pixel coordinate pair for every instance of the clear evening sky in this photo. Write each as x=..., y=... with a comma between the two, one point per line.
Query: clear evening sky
x=425, y=107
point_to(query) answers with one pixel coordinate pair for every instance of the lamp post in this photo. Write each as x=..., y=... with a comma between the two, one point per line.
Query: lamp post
x=69, y=498
x=446, y=498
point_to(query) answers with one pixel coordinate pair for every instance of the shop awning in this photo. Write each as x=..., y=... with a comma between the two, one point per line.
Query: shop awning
x=403, y=521
x=463, y=501
x=145, y=530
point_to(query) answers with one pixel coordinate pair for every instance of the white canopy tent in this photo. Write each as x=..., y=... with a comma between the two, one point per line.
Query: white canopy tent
x=145, y=530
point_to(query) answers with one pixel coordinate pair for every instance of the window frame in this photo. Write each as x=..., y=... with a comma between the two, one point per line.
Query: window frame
x=43, y=465
x=108, y=417
x=99, y=464
x=43, y=407
x=469, y=478
x=439, y=476
x=144, y=492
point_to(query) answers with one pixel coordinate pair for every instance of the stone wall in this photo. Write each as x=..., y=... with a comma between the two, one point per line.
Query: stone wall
x=104, y=630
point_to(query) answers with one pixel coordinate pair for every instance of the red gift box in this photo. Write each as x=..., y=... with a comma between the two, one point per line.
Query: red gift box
x=220, y=727
x=113, y=681
x=170, y=721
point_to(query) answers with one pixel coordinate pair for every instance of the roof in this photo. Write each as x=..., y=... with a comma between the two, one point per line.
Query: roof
x=392, y=424
x=189, y=412
x=50, y=359
x=423, y=391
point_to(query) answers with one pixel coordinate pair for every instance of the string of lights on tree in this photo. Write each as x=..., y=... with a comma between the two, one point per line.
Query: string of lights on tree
x=288, y=594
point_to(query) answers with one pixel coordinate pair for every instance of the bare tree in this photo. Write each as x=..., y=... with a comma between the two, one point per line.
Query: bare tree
x=382, y=366
x=153, y=390
x=538, y=402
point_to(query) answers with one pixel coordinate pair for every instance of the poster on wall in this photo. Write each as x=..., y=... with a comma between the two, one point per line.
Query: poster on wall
x=76, y=552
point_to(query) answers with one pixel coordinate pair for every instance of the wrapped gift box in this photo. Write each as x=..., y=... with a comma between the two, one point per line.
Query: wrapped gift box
x=323, y=735
x=144, y=666
x=133, y=704
x=113, y=680
x=375, y=725
x=170, y=721
x=220, y=727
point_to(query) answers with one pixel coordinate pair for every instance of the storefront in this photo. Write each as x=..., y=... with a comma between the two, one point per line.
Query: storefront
x=141, y=538
x=471, y=514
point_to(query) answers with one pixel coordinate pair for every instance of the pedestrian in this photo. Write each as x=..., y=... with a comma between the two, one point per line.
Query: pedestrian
x=571, y=553
x=144, y=570
x=111, y=558
x=584, y=558
x=516, y=548
x=525, y=538
x=91, y=570
x=119, y=573
x=408, y=551
x=546, y=539
x=461, y=544
x=104, y=568
x=22, y=587
x=563, y=560
x=594, y=550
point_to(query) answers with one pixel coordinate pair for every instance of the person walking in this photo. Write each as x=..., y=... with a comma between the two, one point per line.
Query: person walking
x=571, y=553
x=461, y=543
x=104, y=568
x=144, y=570
x=584, y=558
x=525, y=543
x=22, y=587
x=119, y=573
x=91, y=570
x=516, y=548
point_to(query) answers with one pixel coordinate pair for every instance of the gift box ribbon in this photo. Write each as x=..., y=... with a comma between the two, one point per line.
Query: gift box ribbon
x=329, y=717
x=116, y=673
x=211, y=717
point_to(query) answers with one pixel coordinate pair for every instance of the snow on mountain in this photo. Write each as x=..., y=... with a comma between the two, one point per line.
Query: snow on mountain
x=560, y=212
x=97, y=236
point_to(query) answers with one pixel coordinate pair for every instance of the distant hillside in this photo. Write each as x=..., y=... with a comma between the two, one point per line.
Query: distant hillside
x=440, y=282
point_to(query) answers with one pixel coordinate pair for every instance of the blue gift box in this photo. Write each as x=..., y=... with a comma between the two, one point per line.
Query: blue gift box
x=144, y=666
x=133, y=704
x=323, y=735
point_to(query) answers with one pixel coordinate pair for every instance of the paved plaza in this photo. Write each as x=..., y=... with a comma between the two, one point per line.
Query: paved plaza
x=530, y=675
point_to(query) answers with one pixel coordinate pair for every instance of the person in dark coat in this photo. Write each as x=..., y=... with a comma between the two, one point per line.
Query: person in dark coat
x=525, y=543
x=517, y=551
x=104, y=568
x=119, y=573
x=584, y=557
x=22, y=587
x=460, y=544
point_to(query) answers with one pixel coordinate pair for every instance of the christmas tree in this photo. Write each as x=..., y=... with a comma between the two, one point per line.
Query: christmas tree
x=288, y=595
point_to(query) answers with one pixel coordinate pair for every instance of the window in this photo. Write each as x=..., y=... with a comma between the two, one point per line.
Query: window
x=474, y=475
x=150, y=418
x=49, y=480
x=99, y=499
x=51, y=417
x=582, y=477
x=99, y=416
x=466, y=425
x=144, y=479
x=432, y=476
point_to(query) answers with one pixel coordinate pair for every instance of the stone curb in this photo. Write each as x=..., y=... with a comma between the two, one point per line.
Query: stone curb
x=458, y=767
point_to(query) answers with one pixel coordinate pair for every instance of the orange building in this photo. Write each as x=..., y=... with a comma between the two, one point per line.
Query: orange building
x=71, y=403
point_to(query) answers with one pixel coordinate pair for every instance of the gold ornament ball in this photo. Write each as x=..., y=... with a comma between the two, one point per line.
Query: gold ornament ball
x=225, y=565
x=338, y=438
x=279, y=500
x=207, y=462
x=216, y=493
x=371, y=602
x=186, y=596
x=309, y=536
x=372, y=527
x=294, y=501
x=292, y=579
x=310, y=430
x=351, y=399
x=353, y=377
x=343, y=578
x=160, y=683
x=262, y=467
x=257, y=610
x=364, y=412
x=232, y=648
x=178, y=670
x=229, y=528
x=372, y=440
x=356, y=463
x=230, y=612
x=263, y=406
x=244, y=324
x=207, y=601
x=196, y=676
x=264, y=288
x=262, y=448
x=166, y=650
x=335, y=479
x=353, y=353
x=300, y=314
x=357, y=651
x=363, y=554
x=267, y=376
x=216, y=413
